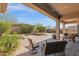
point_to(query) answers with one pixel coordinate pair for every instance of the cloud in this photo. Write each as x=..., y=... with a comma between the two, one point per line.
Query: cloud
x=19, y=7
x=23, y=11
x=16, y=7
x=25, y=14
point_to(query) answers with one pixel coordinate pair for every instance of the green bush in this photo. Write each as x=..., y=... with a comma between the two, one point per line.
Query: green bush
x=24, y=28
x=39, y=28
x=50, y=30
x=8, y=43
x=5, y=27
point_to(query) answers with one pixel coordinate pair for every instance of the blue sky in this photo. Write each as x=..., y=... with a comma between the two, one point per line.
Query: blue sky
x=27, y=15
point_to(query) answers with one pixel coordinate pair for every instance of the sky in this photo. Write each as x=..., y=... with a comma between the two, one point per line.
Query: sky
x=27, y=15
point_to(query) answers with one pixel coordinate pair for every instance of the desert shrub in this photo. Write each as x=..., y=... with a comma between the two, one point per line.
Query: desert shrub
x=5, y=27
x=39, y=28
x=8, y=43
x=49, y=30
x=24, y=28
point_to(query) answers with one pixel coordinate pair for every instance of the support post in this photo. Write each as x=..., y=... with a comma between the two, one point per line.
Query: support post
x=58, y=29
x=63, y=30
x=78, y=30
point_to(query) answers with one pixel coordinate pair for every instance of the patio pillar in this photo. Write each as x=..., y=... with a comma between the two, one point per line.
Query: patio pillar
x=58, y=29
x=78, y=29
x=63, y=29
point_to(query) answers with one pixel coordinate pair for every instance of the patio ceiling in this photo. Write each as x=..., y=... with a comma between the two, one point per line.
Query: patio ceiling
x=66, y=13
x=43, y=8
x=69, y=12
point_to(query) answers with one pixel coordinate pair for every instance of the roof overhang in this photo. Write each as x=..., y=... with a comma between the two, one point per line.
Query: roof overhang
x=44, y=9
x=3, y=7
x=67, y=13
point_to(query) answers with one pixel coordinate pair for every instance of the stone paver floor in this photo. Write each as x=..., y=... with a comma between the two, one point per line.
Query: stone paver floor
x=72, y=49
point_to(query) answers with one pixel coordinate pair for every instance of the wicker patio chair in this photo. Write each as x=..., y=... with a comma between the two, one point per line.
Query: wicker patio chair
x=33, y=48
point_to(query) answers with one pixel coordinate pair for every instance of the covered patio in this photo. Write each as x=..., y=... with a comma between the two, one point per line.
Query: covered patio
x=64, y=13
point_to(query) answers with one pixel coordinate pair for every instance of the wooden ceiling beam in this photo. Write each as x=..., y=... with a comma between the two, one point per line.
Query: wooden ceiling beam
x=71, y=15
x=74, y=20
x=69, y=22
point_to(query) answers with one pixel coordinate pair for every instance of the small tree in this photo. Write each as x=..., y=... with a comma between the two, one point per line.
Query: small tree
x=39, y=28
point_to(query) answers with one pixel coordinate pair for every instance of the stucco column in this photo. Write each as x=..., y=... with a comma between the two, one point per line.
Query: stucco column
x=63, y=30
x=78, y=29
x=58, y=29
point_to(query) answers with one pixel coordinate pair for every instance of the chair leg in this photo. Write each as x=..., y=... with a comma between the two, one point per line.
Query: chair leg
x=33, y=51
x=63, y=53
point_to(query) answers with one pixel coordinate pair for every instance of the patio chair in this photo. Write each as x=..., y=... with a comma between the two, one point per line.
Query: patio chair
x=76, y=35
x=65, y=35
x=33, y=48
x=55, y=47
x=54, y=36
x=72, y=37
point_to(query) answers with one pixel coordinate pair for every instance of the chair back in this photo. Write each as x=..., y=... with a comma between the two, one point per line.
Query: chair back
x=30, y=42
x=54, y=36
x=55, y=47
x=72, y=36
x=65, y=34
